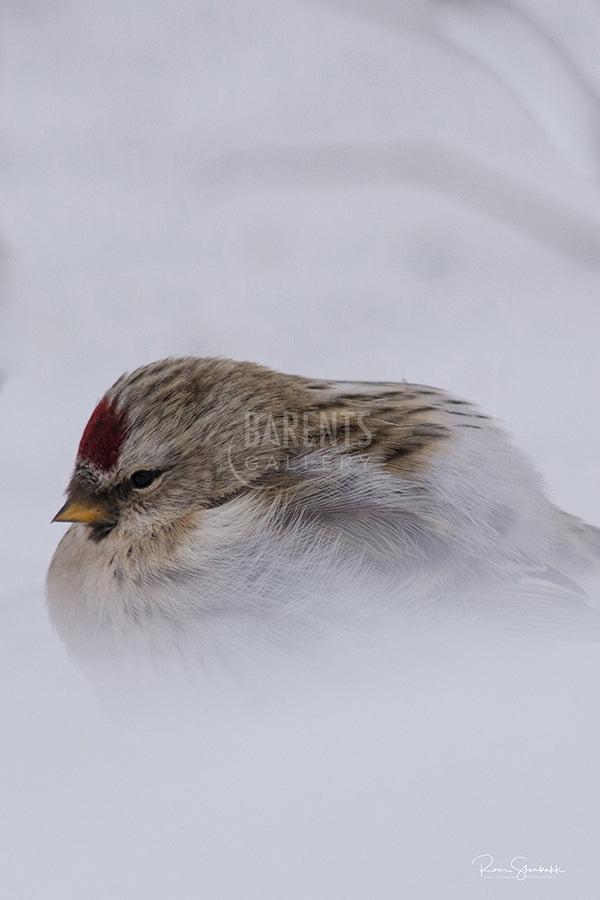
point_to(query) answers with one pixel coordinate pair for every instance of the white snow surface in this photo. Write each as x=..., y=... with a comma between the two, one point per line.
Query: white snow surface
x=341, y=189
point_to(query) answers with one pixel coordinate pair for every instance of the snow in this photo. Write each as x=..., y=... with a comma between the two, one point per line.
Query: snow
x=340, y=189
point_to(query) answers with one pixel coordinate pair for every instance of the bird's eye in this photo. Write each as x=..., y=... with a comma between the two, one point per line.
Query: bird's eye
x=143, y=478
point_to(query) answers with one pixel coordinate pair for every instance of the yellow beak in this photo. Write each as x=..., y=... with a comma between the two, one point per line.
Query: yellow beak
x=79, y=512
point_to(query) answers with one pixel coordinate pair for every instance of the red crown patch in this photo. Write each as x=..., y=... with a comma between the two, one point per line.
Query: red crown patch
x=103, y=436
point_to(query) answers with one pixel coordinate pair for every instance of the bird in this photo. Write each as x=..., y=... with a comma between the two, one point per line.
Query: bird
x=222, y=512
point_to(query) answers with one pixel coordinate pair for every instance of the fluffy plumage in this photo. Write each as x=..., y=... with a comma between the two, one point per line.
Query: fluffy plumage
x=223, y=510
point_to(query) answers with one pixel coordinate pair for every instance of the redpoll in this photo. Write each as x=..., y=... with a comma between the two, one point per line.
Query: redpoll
x=223, y=510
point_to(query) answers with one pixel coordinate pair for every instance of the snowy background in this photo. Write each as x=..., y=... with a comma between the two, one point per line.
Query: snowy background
x=351, y=189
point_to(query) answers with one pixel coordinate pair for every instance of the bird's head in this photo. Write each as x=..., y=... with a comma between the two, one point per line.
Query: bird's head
x=177, y=436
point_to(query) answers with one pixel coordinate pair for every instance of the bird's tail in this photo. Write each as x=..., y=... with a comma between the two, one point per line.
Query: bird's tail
x=578, y=544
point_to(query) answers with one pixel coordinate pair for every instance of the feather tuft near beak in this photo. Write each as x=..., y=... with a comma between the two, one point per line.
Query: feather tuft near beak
x=82, y=512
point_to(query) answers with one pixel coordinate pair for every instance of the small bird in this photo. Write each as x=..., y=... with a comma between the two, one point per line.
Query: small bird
x=225, y=511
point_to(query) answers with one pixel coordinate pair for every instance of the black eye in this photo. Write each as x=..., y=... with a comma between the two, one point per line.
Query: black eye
x=143, y=478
